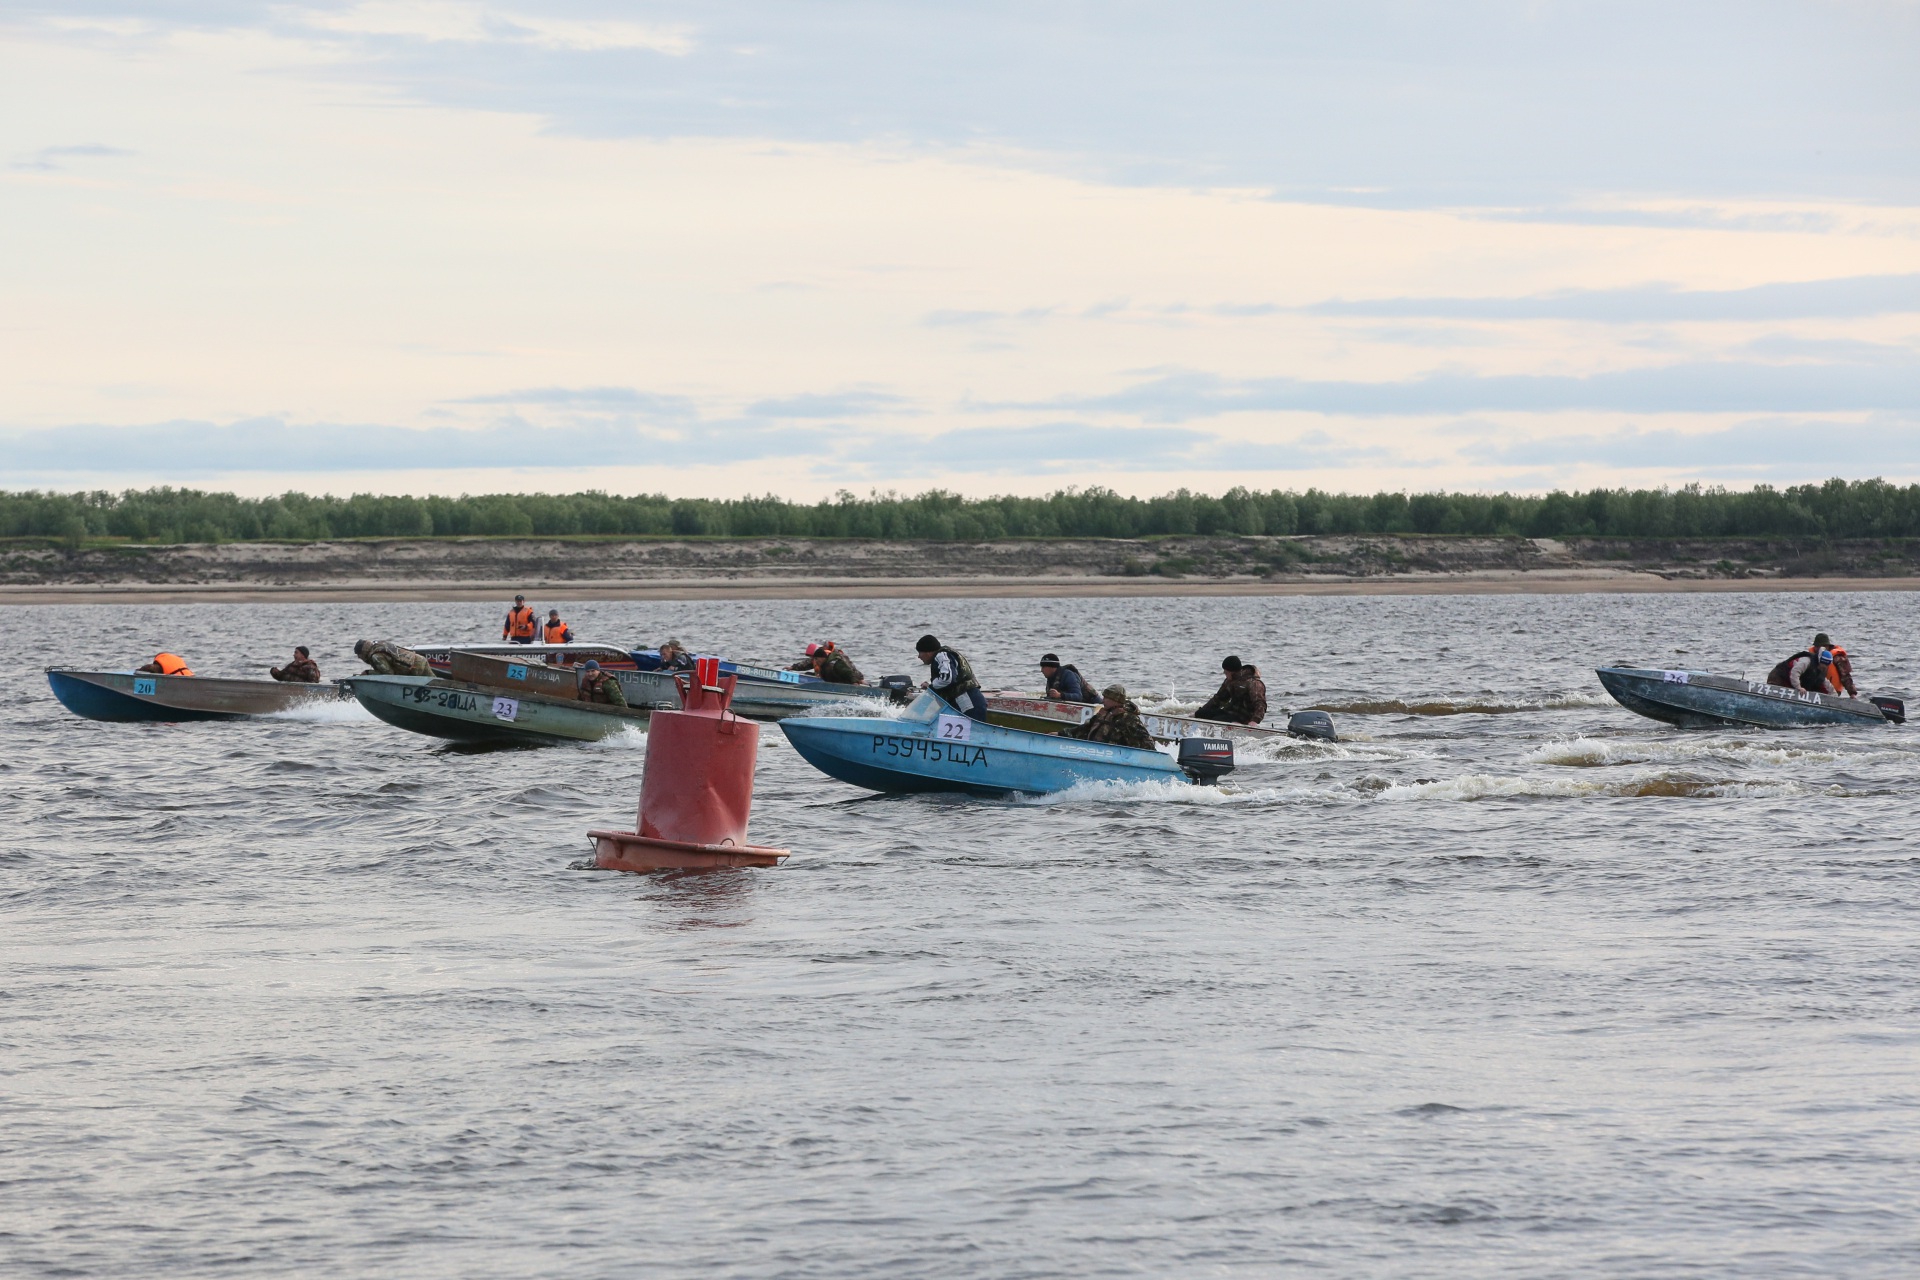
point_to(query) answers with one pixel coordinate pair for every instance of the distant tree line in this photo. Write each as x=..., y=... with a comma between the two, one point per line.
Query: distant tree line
x=1836, y=509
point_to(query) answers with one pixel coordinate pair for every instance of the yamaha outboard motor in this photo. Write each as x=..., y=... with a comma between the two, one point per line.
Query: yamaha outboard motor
x=901, y=687
x=1892, y=708
x=1206, y=759
x=1311, y=724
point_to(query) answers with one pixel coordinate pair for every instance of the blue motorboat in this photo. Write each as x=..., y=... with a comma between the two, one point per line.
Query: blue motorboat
x=140, y=696
x=929, y=748
x=1701, y=700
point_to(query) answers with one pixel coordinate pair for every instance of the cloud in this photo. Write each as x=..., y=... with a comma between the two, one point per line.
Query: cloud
x=1505, y=103
x=49, y=159
x=1706, y=387
x=1761, y=447
x=1845, y=298
x=839, y=404
x=644, y=403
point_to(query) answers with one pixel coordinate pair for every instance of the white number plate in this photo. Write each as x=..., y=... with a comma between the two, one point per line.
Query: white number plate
x=1674, y=677
x=506, y=708
x=953, y=729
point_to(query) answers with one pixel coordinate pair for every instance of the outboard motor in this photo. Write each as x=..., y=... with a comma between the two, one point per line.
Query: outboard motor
x=1892, y=708
x=1206, y=759
x=1311, y=724
x=900, y=687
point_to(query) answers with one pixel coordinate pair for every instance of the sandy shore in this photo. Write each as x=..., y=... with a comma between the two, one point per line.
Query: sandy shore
x=1493, y=582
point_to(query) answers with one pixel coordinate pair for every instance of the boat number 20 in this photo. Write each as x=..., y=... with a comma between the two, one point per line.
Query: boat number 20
x=143, y=686
x=954, y=729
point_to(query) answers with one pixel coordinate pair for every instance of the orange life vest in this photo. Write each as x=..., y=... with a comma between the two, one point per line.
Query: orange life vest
x=521, y=624
x=172, y=664
x=556, y=633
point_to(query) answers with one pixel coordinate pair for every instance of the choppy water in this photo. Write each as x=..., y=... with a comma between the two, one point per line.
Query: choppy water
x=1534, y=987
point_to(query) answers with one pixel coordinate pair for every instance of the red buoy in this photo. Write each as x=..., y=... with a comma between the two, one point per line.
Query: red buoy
x=696, y=789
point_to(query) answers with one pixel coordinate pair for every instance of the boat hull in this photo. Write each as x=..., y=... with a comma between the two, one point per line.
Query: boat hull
x=1700, y=700
x=135, y=697
x=460, y=712
x=910, y=755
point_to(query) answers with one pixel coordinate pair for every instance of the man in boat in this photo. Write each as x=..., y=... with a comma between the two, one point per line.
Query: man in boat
x=1840, y=673
x=831, y=664
x=1241, y=697
x=600, y=686
x=166, y=664
x=674, y=657
x=522, y=625
x=1807, y=670
x=1064, y=682
x=1117, y=721
x=952, y=678
x=302, y=670
x=389, y=659
x=556, y=631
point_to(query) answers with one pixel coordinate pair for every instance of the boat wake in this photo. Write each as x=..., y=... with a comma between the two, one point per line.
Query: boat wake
x=1674, y=783
x=630, y=738
x=340, y=711
x=1590, y=753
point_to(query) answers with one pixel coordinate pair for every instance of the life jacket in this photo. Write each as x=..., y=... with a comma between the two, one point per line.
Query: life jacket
x=1840, y=674
x=962, y=673
x=556, y=633
x=1782, y=673
x=172, y=664
x=521, y=623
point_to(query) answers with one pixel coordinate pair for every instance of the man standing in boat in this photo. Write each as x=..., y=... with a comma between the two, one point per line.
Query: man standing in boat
x=522, y=625
x=556, y=631
x=952, y=678
x=1241, y=697
x=302, y=670
x=1117, y=721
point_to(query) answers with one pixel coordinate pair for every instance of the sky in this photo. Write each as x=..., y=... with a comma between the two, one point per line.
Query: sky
x=766, y=246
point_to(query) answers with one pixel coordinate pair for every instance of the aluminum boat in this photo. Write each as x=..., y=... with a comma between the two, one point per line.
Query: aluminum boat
x=1701, y=700
x=140, y=696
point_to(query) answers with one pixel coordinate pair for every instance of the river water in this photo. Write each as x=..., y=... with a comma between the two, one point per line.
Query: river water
x=1510, y=983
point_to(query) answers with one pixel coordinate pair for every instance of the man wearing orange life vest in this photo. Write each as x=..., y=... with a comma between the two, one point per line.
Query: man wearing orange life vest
x=1840, y=674
x=166, y=664
x=522, y=625
x=556, y=631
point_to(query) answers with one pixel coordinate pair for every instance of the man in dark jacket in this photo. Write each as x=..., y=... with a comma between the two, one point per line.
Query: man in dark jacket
x=831, y=664
x=1064, y=683
x=951, y=677
x=597, y=685
x=302, y=670
x=1117, y=721
x=1241, y=697
x=389, y=659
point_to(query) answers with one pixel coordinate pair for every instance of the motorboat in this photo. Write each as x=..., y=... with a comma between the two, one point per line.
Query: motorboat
x=143, y=696
x=1702, y=700
x=929, y=748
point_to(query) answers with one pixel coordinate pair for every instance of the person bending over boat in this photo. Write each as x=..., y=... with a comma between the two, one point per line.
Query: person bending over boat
x=674, y=657
x=1241, y=697
x=1807, y=670
x=1117, y=721
x=556, y=631
x=600, y=686
x=389, y=659
x=522, y=623
x=952, y=678
x=1064, y=683
x=302, y=670
x=831, y=663
x=166, y=664
x=1840, y=673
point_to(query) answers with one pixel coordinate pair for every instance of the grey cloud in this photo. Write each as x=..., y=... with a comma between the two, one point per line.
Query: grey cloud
x=1481, y=102
x=1713, y=387
x=1848, y=297
x=840, y=404
x=48, y=159
x=645, y=403
x=1767, y=446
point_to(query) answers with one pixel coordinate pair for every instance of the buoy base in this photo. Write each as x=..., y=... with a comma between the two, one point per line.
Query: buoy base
x=631, y=851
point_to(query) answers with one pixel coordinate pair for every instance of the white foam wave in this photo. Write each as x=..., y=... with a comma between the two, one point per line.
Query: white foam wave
x=630, y=738
x=1158, y=791
x=1645, y=784
x=331, y=711
x=1581, y=753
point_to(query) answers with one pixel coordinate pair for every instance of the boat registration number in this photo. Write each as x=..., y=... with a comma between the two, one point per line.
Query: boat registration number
x=959, y=753
x=451, y=700
x=516, y=672
x=953, y=729
x=144, y=686
x=1674, y=677
x=506, y=708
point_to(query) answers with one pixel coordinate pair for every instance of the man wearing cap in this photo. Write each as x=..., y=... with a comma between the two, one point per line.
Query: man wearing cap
x=1808, y=670
x=555, y=631
x=302, y=670
x=1064, y=683
x=1241, y=697
x=674, y=657
x=952, y=678
x=1117, y=721
x=597, y=685
x=831, y=664
x=521, y=625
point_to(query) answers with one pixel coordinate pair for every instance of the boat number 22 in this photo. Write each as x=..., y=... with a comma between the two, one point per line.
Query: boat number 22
x=953, y=729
